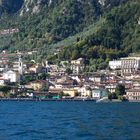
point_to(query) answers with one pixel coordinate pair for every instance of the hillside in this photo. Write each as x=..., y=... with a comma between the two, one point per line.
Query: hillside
x=118, y=36
x=43, y=22
x=47, y=25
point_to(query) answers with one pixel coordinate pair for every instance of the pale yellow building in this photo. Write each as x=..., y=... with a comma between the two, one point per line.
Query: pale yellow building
x=70, y=92
x=37, y=85
x=85, y=91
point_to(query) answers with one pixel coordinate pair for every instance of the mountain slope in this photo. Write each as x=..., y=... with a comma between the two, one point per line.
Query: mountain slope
x=117, y=37
x=44, y=23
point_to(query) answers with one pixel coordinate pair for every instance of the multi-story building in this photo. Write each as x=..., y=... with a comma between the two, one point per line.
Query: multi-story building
x=11, y=76
x=130, y=64
x=77, y=66
x=133, y=94
x=116, y=64
x=127, y=65
x=98, y=78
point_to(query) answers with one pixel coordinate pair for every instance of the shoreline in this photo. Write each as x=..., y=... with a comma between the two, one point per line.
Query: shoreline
x=29, y=99
x=61, y=100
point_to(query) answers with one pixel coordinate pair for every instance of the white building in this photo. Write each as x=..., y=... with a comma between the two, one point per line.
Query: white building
x=111, y=87
x=11, y=76
x=130, y=64
x=116, y=64
x=2, y=82
x=77, y=66
x=127, y=65
x=99, y=93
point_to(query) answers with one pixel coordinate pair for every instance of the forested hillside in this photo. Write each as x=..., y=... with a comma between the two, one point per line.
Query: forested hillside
x=98, y=30
x=118, y=36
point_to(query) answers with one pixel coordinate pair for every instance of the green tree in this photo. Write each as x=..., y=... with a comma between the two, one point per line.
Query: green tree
x=45, y=87
x=43, y=76
x=112, y=96
x=120, y=90
x=68, y=71
x=5, y=88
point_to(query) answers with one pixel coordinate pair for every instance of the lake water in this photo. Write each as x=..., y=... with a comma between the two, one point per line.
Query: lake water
x=69, y=121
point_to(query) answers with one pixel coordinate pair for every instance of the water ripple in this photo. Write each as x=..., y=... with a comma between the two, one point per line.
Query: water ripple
x=69, y=120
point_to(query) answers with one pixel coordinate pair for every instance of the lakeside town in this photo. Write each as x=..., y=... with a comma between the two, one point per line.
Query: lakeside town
x=22, y=80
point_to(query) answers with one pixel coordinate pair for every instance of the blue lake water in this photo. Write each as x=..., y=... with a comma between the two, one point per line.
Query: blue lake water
x=69, y=120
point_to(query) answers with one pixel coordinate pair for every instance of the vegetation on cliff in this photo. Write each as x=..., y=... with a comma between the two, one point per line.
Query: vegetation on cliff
x=96, y=31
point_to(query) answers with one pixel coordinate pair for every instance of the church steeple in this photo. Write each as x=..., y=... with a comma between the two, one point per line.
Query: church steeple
x=20, y=65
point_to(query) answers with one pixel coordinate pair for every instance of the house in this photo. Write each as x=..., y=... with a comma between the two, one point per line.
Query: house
x=77, y=66
x=18, y=66
x=85, y=91
x=35, y=68
x=98, y=78
x=136, y=83
x=79, y=61
x=65, y=91
x=77, y=78
x=38, y=85
x=65, y=82
x=53, y=69
x=12, y=76
x=99, y=93
x=70, y=91
x=133, y=94
x=111, y=79
x=111, y=87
